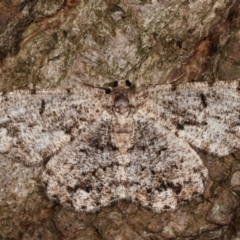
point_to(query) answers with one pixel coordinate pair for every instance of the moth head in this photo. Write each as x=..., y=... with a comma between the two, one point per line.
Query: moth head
x=119, y=85
x=121, y=103
x=122, y=84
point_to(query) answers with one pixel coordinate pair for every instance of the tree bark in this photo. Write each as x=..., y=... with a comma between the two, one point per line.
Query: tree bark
x=50, y=44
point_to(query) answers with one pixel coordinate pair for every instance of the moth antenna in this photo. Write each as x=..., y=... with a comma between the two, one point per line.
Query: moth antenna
x=174, y=81
x=177, y=79
x=106, y=89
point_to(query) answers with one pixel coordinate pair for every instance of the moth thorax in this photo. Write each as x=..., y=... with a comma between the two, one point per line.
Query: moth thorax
x=121, y=103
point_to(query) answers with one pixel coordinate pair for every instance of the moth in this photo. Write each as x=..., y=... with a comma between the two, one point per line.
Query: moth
x=98, y=145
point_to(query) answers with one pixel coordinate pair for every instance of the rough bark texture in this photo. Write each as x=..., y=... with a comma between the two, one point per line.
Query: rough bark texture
x=63, y=42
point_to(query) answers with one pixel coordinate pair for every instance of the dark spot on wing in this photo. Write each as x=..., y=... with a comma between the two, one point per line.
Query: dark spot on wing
x=210, y=83
x=174, y=87
x=174, y=166
x=203, y=100
x=50, y=172
x=99, y=188
x=46, y=159
x=153, y=172
x=73, y=189
x=166, y=207
x=114, y=183
x=94, y=172
x=161, y=150
x=108, y=90
x=68, y=91
x=111, y=146
x=164, y=185
x=190, y=122
x=83, y=151
x=191, y=30
x=177, y=188
x=149, y=190
x=87, y=189
x=45, y=184
x=180, y=126
x=65, y=33
x=143, y=168
x=42, y=108
x=216, y=117
x=161, y=187
x=33, y=91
